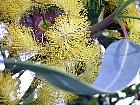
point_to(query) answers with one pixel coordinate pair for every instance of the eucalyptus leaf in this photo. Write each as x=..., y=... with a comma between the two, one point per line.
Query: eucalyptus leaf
x=124, y=5
x=29, y=95
x=94, y=10
x=60, y=79
x=119, y=2
x=29, y=99
x=119, y=66
x=2, y=66
x=127, y=16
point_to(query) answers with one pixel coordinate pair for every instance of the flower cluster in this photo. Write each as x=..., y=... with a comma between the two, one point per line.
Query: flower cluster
x=8, y=88
x=131, y=24
x=59, y=40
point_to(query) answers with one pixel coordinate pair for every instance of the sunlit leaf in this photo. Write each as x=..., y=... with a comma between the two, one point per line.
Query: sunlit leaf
x=119, y=66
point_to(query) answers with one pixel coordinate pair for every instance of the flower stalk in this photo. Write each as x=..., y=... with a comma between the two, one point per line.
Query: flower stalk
x=123, y=28
x=102, y=25
x=108, y=20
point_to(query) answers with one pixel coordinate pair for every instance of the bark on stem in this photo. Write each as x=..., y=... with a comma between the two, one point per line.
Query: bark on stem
x=101, y=25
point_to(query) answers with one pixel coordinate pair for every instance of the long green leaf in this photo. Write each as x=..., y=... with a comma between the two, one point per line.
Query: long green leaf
x=127, y=16
x=30, y=93
x=94, y=10
x=124, y=5
x=60, y=79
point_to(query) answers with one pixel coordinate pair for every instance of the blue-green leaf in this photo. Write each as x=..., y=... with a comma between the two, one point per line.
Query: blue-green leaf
x=2, y=66
x=60, y=79
x=29, y=99
x=120, y=65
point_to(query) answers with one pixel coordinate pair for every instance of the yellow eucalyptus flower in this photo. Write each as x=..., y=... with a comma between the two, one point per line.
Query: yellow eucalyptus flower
x=69, y=48
x=135, y=33
x=111, y=5
x=114, y=33
x=131, y=10
x=19, y=39
x=51, y=95
x=71, y=7
x=8, y=94
x=131, y=24
x=68, y=44
x=84, y=2
x=14, y=9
